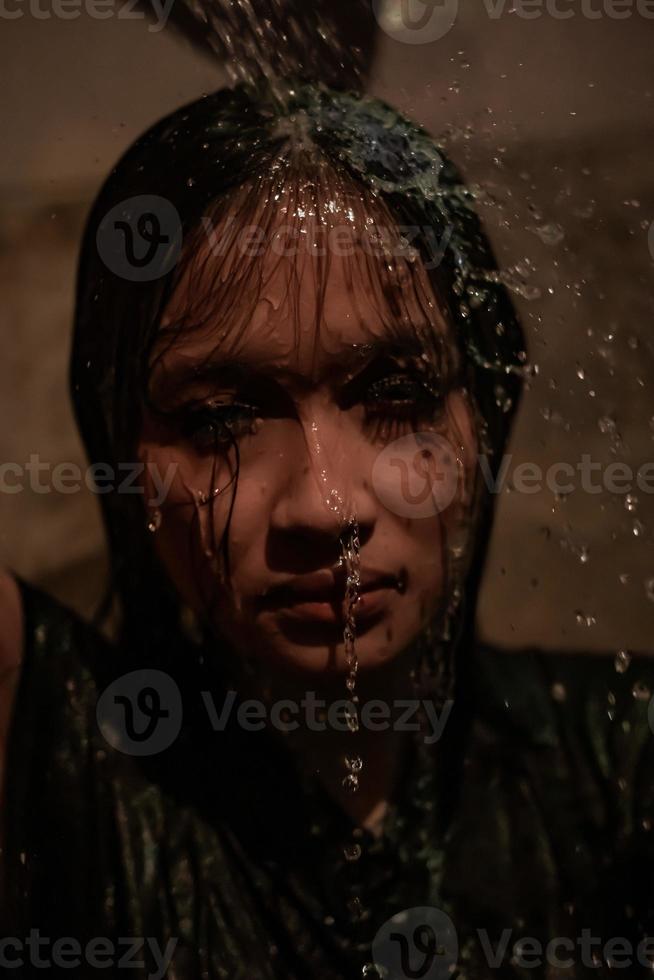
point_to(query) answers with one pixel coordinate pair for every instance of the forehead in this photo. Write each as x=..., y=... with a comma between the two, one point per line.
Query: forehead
x=299, y=280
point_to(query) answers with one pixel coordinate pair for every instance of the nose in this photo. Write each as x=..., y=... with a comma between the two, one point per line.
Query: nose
x=313, y=507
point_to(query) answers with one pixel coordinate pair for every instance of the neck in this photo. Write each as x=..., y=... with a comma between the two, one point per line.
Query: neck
x=320, y=741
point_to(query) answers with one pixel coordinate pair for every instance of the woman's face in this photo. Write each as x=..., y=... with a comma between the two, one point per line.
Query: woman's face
x=278, y=432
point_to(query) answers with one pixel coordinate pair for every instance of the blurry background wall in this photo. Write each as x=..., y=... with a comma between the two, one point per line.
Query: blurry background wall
x=551, y=119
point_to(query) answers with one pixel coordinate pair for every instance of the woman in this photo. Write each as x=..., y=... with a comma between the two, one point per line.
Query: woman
x=289, y=320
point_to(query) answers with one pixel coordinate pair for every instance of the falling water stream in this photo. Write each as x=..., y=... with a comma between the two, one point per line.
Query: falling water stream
x=267, y=42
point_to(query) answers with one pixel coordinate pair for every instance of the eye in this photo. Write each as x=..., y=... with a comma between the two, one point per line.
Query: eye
x=401, y=400
x=215, y=425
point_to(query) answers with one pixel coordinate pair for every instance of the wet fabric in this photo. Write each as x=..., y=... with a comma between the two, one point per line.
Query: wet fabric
x=531, y=817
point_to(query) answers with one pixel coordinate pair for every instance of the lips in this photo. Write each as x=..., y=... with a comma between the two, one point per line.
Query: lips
x=326, y=587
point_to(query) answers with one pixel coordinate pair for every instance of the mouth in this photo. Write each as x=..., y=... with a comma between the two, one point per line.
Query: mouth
x=320, y=597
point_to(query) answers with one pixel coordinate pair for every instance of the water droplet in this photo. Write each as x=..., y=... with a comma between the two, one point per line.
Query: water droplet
x=350, y=783
x=549, y=234
x=355, y=907
x=559, y=692
x=630, y=502
x=352, y=852
x=607, y=425
x=641, y=691
x=622, y=661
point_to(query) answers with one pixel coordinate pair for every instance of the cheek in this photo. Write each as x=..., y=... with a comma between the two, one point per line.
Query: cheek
x=424, y=547
x=464, y=434
x=198, y=505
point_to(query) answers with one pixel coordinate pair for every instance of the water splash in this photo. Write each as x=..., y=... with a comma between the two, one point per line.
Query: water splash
x=268, y=43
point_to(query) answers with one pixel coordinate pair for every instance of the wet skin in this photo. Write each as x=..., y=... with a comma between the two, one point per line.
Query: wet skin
x=311, y=400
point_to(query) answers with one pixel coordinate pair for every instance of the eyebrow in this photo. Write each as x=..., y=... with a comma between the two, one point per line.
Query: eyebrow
x=232, y=369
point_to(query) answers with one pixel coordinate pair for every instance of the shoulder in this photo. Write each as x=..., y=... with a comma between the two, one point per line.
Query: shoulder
x=536, y=690
x=593, y=712
x=46, y=653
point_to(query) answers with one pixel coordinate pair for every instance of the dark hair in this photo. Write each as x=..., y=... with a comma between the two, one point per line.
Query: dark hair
x=197, y=157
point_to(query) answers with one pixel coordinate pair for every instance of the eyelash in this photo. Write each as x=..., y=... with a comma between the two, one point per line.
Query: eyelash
x=212, y=426
x=390, y=415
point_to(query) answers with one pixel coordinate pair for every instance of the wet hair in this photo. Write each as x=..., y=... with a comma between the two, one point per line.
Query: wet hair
x=237, y=150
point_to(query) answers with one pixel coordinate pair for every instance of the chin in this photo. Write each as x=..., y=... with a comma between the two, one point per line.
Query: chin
x=315, y=649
